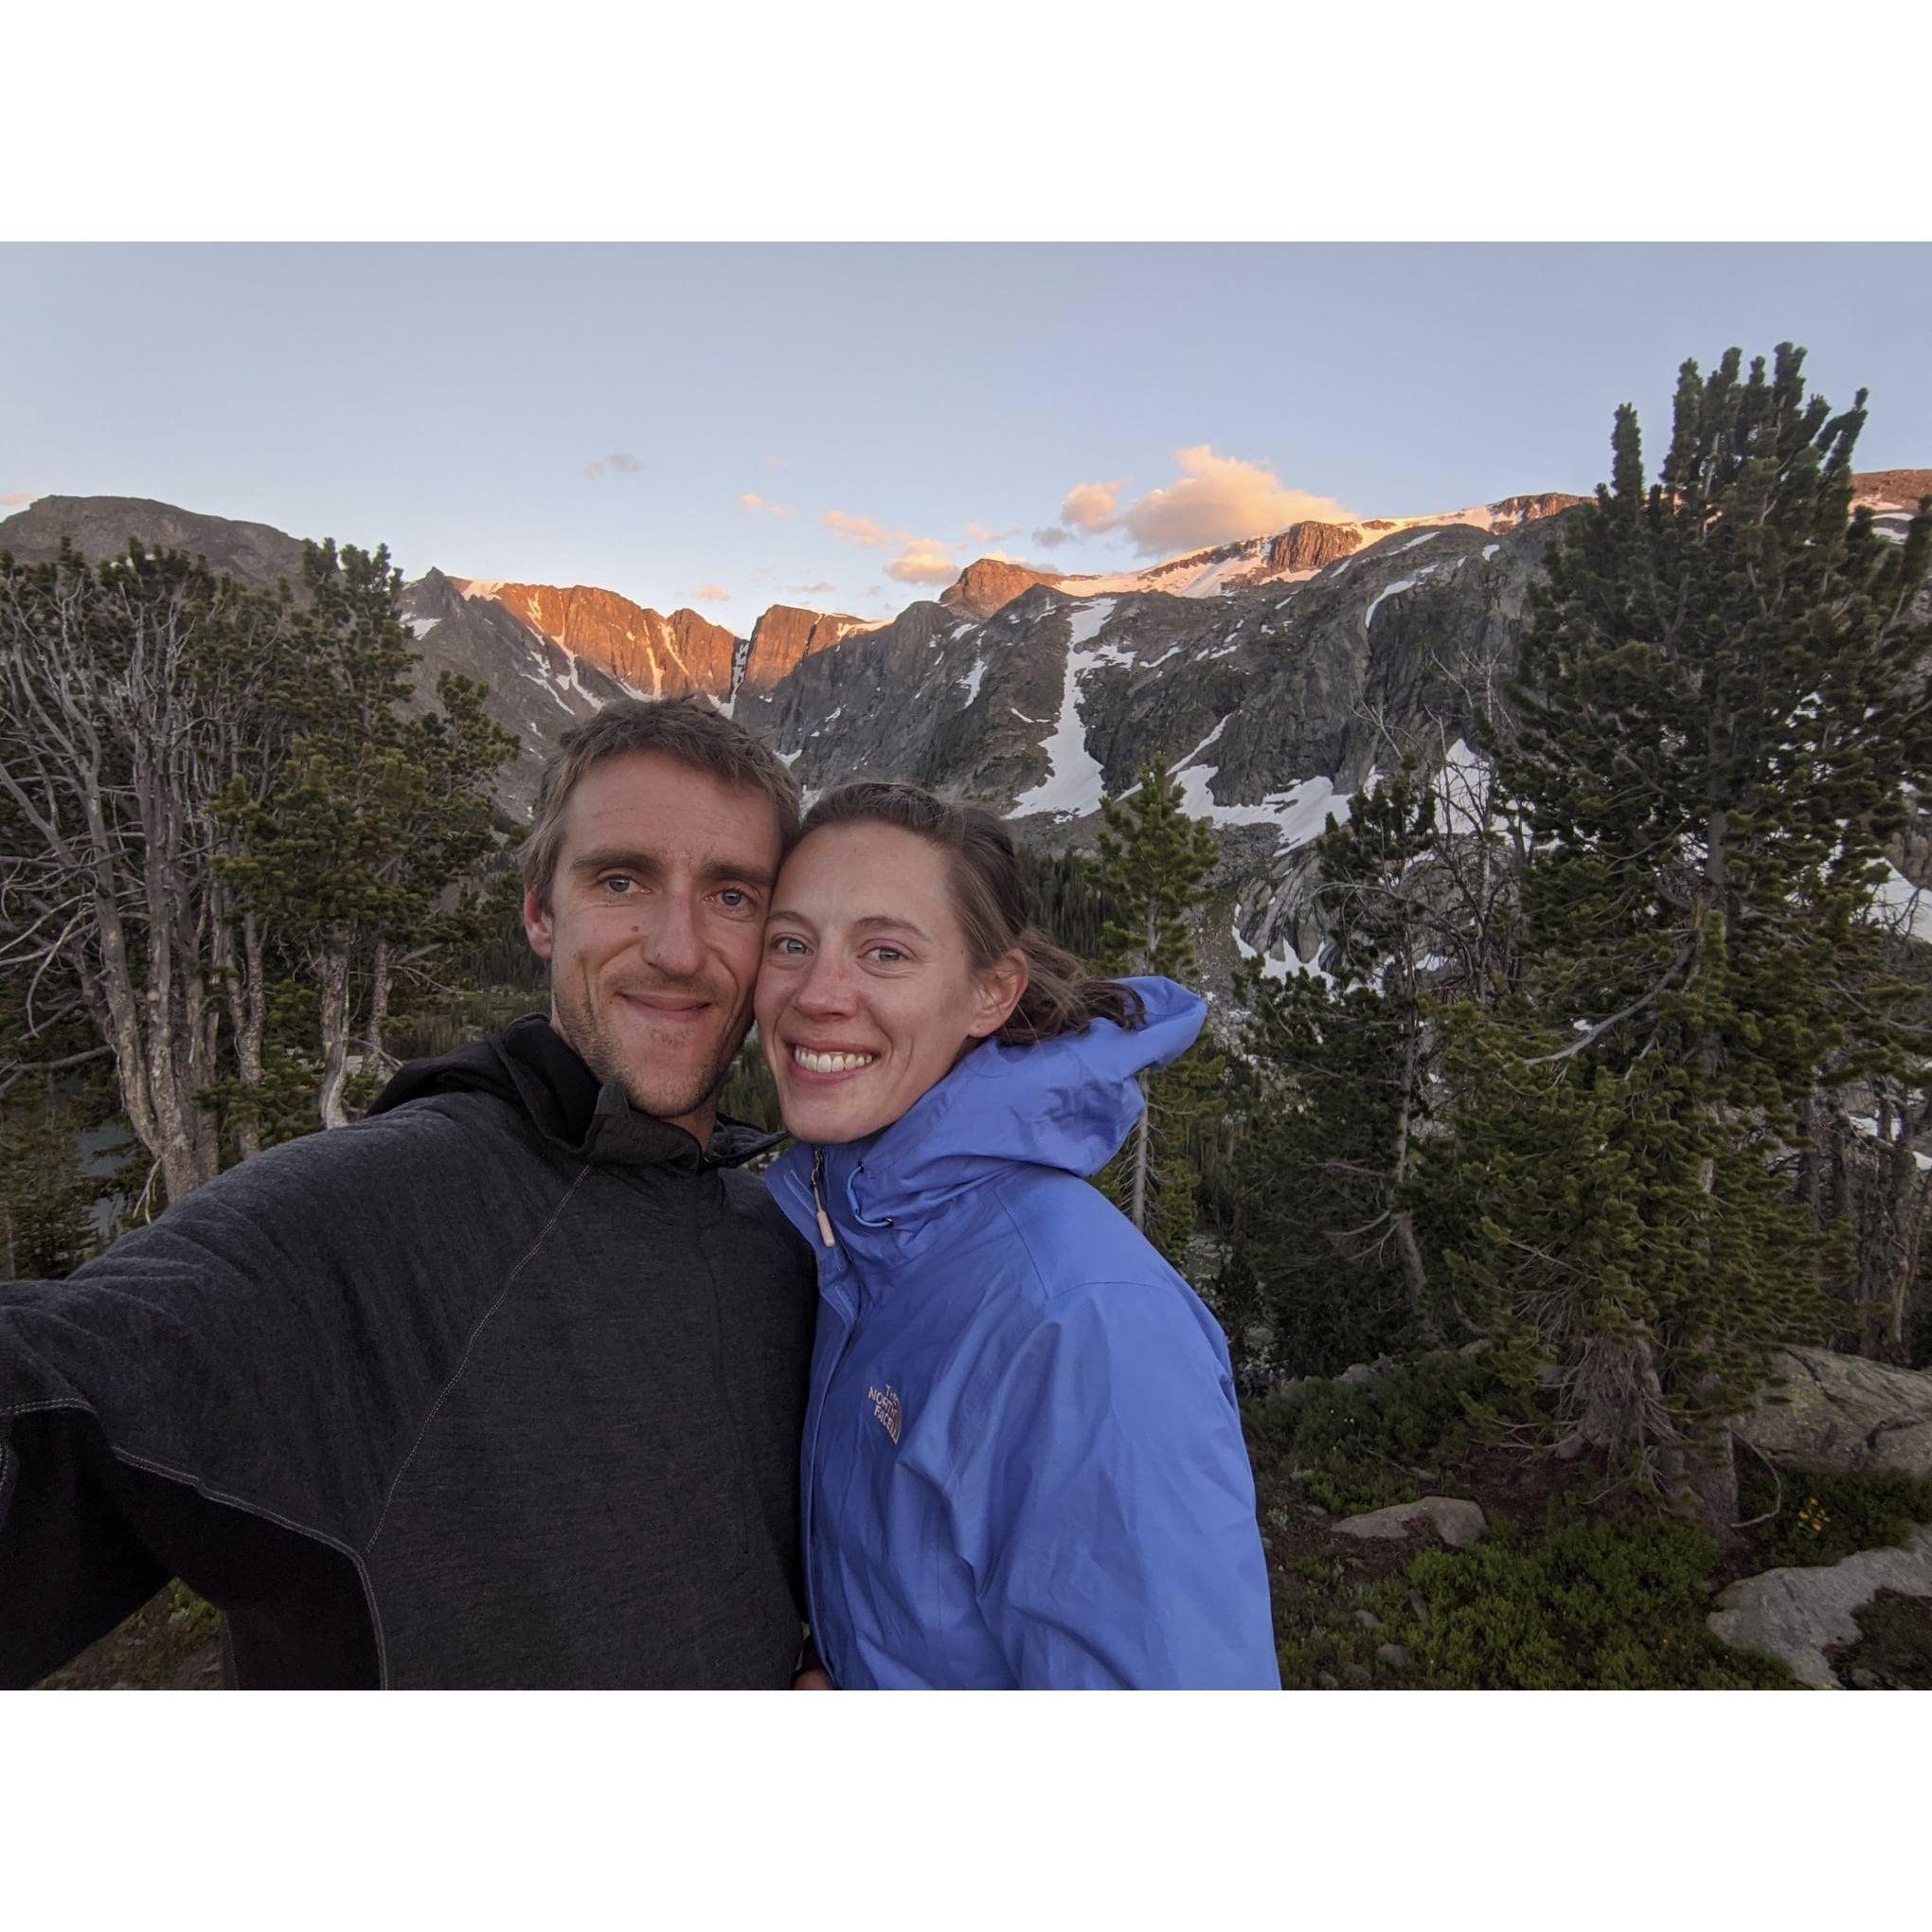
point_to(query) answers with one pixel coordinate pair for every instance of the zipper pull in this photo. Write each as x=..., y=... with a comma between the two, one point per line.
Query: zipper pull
x=825, y=1233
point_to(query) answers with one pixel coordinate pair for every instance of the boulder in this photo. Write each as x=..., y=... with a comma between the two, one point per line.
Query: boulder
x=1456, y=1522
x=1796, y=1614
x=1845, y=1414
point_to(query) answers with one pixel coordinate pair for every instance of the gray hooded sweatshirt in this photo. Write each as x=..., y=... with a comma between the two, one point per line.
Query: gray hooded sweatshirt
x=500, y=1387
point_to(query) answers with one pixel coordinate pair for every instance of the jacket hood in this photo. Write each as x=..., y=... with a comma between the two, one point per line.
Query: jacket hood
x=1068, y=1103
x=530, y=1066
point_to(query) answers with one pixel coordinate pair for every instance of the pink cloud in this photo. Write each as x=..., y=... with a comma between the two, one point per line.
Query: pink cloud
x=1092, y=506
x=755, y=505
x=16, y=499
x=864, y=530
x=1214, y=500
x=923, y=562
x=710, y=593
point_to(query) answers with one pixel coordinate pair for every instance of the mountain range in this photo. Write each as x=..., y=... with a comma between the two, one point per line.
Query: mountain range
x=1279, y=676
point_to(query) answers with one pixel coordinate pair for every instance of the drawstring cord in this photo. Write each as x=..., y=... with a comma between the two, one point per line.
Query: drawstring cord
x=825, y=1233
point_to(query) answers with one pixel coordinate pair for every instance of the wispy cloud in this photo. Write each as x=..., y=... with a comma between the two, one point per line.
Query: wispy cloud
x=866, y=531
x=710, y=593
x=985, y=534
x=775, y=462
x=755, y=505
x=1214, y=500
x=810, y=589
x=17, y=499
x=1050, y=537
x=621, y=463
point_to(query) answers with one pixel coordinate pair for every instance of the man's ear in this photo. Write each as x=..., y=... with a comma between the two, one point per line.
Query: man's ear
x=536, y=917
x=1001, y=987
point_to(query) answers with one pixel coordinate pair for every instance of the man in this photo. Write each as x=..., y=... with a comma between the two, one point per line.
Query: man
x=501, y=1385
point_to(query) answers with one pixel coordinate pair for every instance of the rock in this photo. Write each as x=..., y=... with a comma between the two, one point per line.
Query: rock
x=1329, y=1681
x=1456, y=1522
x=1359, y=1372
x=1368, y=1619
x=987, y=586
x=1796, y=1615
x=1392, y=1654
x=1845, y=1414
x=1419, y=1604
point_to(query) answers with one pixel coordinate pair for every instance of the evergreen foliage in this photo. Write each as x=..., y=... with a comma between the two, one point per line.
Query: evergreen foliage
x=1717, y=717
x=1330, y=1090
x=1152, y=872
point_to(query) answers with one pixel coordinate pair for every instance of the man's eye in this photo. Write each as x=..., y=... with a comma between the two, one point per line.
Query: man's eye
x=618, y=885
x=735, y=898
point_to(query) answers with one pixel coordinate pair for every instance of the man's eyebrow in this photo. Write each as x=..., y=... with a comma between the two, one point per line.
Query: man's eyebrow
x=722, y=869
x=609, y=858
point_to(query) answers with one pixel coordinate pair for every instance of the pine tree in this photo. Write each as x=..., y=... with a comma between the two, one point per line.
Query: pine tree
x=1332, y=1097
x=363, y=860
x=1153, y=870
x=1717, y=716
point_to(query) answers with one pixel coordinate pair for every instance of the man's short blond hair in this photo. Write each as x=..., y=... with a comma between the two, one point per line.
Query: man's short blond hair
x=689, y=729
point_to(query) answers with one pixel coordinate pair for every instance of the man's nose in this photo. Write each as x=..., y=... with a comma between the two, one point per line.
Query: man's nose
x=671, y=940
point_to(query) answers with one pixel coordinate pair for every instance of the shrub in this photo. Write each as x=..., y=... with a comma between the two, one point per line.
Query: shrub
x=1823, y=1518
x=1587, y=1605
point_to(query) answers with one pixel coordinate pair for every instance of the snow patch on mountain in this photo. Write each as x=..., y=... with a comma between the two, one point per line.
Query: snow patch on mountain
x=1074, y=783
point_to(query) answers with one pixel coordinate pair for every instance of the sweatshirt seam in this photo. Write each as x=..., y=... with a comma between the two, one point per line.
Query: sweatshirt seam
x=202, y=1487
x=463, y=1360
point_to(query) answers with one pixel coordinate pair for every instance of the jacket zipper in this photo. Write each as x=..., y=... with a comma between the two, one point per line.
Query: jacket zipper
x=834, y=1294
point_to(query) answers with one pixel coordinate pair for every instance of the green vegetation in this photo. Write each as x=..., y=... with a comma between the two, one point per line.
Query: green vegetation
x=1152, y=873
x=1817, y=1518
x=1586, y=1604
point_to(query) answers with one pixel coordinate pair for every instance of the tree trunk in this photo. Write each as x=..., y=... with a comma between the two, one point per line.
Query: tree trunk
x=331, y=979
x=1137, y=1212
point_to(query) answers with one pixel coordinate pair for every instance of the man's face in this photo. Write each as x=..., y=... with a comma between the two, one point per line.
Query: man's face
x=653, y=928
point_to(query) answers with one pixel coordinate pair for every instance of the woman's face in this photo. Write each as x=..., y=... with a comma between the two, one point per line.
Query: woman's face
x=867, y=993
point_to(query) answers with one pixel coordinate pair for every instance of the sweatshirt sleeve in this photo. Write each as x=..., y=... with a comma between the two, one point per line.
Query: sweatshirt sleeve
x=1116, y=1543
x=217, y=1398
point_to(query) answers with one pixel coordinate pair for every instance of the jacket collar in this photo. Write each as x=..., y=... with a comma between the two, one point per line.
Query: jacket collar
x=1066, y=1103
x=533, y=1067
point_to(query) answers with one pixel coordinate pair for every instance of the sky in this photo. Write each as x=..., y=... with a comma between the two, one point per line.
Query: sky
x=844, y=428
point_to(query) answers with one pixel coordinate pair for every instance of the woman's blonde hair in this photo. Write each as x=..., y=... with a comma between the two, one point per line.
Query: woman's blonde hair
x=1062, y=996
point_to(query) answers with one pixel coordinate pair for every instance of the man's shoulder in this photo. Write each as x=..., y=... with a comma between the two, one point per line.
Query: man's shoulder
x=462, y=1146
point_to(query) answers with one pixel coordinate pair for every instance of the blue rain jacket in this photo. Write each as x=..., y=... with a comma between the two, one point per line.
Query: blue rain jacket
x=1023, y=1459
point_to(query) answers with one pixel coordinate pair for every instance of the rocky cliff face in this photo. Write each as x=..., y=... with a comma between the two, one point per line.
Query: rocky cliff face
x=785, y=636
x=989, y=584
x=659, y=656
x=1276, y=705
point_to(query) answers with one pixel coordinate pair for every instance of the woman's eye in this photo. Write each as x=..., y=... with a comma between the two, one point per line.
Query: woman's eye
x=889, y=955
x=789, y=948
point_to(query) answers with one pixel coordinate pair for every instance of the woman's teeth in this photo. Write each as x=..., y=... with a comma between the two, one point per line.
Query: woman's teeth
x=831, y=1063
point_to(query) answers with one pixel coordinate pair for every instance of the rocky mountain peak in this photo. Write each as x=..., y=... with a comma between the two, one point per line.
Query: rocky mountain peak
x=662, y=656
x=988, y=585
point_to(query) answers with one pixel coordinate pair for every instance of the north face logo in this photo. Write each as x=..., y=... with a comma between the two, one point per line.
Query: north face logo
x=885, y=1407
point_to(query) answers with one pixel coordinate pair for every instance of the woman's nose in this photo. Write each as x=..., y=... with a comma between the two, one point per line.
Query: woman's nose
x=827, y=989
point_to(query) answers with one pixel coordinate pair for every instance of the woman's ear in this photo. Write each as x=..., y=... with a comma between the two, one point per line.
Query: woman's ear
x=999, y=989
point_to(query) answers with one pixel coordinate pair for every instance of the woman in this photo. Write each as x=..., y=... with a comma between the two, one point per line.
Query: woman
x=1023, y=1462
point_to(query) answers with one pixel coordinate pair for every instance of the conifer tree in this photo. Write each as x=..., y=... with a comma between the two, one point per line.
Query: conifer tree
x=1717, y=716
x=1153, y=870
x=1331, y=1099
